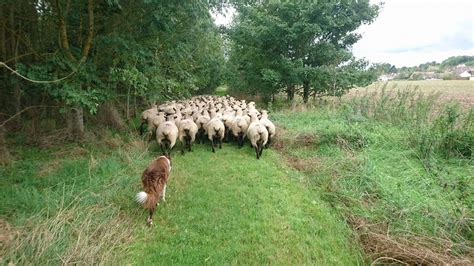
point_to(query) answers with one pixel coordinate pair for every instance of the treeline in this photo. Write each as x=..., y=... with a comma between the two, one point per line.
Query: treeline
x=446, y=69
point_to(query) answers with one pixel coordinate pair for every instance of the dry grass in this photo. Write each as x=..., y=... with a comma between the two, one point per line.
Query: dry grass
x=6, y=237
x=384, y=248
x=461, y=91
x=40, y=240
x=49, y=167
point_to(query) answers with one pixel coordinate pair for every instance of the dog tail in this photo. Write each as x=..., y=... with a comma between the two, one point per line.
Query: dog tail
x=141, y=197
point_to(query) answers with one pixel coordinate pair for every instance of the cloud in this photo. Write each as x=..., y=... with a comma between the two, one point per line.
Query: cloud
x=417, y=31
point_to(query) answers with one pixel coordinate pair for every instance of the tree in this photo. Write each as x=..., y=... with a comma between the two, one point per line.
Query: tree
x=283, y=45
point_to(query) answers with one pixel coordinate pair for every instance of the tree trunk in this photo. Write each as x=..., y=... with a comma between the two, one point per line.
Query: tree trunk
x=75, y=122
x=17, y=96
x=3, y=39
x=290, y=92
x=305, y=91
x=109, y=116
x=128, y=104
x=5, y=157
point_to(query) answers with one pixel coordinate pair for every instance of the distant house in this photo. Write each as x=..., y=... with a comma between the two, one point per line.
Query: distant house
x=386, y=77
x=461, y=69
x=424, y=75
x=465, y=74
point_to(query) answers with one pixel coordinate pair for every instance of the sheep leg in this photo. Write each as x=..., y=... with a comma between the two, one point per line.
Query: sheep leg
x=256, y=152
x=141, y=128
x=228, y=136
x=168, y=149
x=212, y=143
x=226, y=139
x=182, y=148
x=268, y=142
x=162, y=148
x=261, y=150
x=241, y=140
x=220, y=143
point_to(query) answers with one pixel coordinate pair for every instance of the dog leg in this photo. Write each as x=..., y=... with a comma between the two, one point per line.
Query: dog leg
x=149, y=220
x=164, y=193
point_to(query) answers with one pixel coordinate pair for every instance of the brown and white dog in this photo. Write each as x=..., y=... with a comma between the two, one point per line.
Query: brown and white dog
x=154, y=181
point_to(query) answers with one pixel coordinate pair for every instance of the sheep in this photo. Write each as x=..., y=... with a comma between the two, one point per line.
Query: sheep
x=201, y=122
x=166, y=135
x=239, y=128
x=227, y=118
x=145, y=115
x=257, y=134
x=215, y=130
x=169, y=108
x=153, y=122
x=154, y=180
x=269, y=125
x=187, y=133
x=208, y=113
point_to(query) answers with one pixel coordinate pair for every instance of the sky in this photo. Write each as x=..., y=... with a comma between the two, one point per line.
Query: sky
x=412, y=32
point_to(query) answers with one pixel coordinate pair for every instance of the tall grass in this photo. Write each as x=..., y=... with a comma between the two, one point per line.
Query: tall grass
x=434, y=129
x=399, y=165
x=71, y=205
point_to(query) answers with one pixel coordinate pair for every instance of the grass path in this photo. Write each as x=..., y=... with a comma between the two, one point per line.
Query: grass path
x=228, y=207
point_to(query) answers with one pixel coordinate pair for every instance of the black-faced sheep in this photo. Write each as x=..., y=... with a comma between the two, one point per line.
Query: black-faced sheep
x=257, y=134
x=239, y=128
x=215, y=130
x=187, y=133
x=144, y=117
x=269, y=125
x=166, y=135
x=201, y=122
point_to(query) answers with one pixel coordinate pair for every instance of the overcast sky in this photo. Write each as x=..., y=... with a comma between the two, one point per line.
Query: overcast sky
x=411, y=32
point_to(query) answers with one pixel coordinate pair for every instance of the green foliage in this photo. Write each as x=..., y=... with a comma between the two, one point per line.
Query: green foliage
x=274, y=46
x=456, y=60
x=153, y=50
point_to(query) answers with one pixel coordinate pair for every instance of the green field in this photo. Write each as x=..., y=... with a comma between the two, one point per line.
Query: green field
x=370, y=180
x=225, y=207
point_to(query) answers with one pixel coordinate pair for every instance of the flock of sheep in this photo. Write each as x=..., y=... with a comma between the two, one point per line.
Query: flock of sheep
x=217, y=117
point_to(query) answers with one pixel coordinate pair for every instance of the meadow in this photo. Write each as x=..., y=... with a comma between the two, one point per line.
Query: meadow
x=376, y=178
